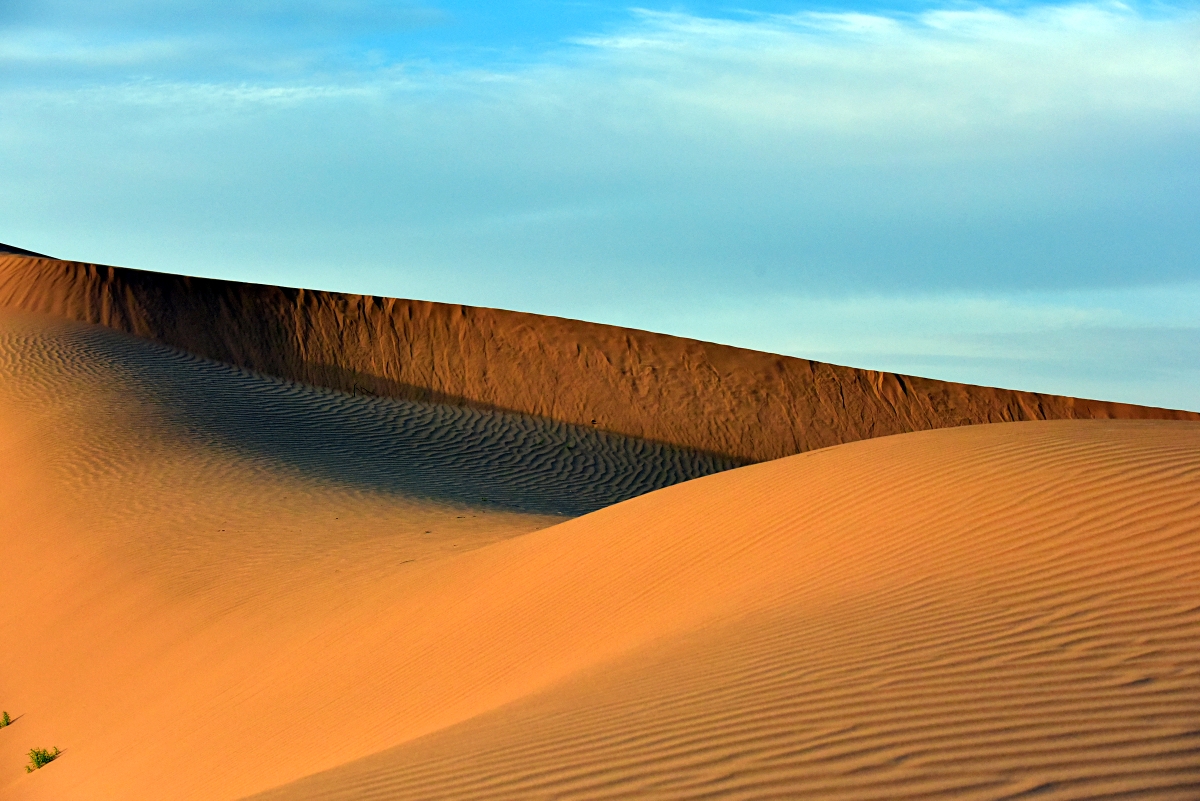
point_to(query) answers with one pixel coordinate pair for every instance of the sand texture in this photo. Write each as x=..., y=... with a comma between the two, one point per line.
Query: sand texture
x=193, y=610
x=136, y=475
x=743, y=405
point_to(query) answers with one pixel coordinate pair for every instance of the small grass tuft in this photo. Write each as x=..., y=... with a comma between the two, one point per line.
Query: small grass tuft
x=40, y=757
x=4, y=719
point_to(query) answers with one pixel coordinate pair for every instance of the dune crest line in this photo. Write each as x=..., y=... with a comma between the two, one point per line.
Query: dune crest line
x=740, y=404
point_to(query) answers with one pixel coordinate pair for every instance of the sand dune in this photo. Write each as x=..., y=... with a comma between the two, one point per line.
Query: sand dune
x=440, y=452
x=138, y=475
x=744, y=405
x=996, y=612
x=197, y=609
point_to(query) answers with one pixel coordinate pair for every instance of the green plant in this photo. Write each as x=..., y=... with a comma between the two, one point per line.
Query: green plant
x=4, y=720
x=39, y=757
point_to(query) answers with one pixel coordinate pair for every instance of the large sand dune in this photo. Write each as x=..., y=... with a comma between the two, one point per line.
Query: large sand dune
x=205, y=597
x=427, y=450
x=744, y=405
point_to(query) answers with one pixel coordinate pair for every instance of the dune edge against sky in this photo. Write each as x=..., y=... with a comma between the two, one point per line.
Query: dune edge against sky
x=743, y=405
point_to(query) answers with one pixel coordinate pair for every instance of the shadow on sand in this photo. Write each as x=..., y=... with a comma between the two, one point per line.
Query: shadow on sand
x=433, y=451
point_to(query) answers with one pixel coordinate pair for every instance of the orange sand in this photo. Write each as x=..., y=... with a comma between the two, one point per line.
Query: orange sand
x=983, y=612
x=744, y=405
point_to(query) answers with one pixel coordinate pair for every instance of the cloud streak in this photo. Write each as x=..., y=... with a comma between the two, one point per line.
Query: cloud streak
x=957, y=153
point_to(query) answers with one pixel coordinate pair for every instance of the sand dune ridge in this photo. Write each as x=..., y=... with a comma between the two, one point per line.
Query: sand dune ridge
x=222, y=582
x=744, y=405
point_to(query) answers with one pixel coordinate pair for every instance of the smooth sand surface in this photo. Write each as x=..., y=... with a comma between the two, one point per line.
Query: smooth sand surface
x=196, y=610
x=745, y=405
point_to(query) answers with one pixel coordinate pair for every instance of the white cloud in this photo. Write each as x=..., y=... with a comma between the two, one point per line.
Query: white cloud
x=937, y=73
x=917, y=188
x=979, y=66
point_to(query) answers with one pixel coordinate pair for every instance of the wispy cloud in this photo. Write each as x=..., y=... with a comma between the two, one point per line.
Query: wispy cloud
x=941, y=73
x=937, y=72
x=206, y=42
x=965, y=153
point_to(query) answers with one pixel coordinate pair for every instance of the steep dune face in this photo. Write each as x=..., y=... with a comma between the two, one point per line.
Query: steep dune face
x=984, y=611
x=743, y=405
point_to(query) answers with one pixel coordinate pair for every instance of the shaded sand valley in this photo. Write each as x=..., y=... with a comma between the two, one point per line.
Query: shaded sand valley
x=221, y=585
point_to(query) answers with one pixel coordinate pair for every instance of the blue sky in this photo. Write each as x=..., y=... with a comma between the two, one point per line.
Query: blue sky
x=1000, y=194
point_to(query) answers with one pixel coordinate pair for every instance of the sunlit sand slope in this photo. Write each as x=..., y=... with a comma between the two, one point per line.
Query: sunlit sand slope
x=171, y=528
x=982, y=611
x=995, y=612
x=746, y=405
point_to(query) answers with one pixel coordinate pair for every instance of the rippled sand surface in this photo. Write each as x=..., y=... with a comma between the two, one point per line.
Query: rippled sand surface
x=218, y=585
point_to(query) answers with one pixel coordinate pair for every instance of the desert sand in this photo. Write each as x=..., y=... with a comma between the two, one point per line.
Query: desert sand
x=739, y=404
x=220, y=583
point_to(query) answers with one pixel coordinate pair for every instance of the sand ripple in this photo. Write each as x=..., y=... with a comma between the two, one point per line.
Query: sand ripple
x=216, y=584
x=424, y=450
x=993, y=613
